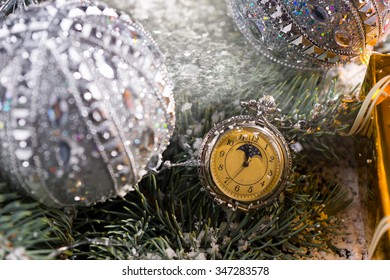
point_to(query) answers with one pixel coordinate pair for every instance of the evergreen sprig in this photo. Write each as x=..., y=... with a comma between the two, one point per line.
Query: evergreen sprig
x=179, y=221
x=29, y=230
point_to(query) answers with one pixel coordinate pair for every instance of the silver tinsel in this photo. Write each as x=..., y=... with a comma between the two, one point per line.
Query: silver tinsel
x=312, y=33
x=86, y=105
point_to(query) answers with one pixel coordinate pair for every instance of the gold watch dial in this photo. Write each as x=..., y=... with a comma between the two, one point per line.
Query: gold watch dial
x=246, y=163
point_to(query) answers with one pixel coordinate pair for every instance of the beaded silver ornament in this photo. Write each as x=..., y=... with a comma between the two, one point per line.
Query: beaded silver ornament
x=310, y=34
x=86, y=105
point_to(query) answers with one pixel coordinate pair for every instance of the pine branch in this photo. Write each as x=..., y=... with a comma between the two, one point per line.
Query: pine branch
x=29, y=230
x=300, y=220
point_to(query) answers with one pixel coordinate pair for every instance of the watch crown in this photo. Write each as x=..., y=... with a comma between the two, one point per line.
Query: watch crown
x=266, y=105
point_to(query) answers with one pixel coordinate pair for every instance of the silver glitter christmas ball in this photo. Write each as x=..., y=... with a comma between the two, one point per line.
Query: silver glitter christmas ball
x=86, y=105
x=311, y=34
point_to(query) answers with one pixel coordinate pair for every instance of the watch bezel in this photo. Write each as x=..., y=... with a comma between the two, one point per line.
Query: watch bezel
x=209, y=143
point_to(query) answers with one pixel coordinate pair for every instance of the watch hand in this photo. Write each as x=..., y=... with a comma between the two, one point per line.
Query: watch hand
x=247, y=161
x=244, y=165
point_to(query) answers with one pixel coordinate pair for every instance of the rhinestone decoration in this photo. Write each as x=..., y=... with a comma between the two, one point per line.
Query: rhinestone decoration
x=311, y=34
x=86, y=105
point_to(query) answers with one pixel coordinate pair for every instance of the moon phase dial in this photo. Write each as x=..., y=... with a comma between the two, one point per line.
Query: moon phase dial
x=246, y=163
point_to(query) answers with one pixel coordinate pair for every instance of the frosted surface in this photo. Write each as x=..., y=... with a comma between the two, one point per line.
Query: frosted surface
x=208, y=58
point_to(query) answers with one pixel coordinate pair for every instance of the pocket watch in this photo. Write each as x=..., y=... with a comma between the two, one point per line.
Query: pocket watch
x=245, y=161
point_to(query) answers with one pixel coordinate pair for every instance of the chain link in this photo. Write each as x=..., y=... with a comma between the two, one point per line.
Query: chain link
x=267, y=109
x=169, y=165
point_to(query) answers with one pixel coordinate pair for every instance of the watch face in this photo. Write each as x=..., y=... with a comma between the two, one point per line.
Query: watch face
x=246, y=163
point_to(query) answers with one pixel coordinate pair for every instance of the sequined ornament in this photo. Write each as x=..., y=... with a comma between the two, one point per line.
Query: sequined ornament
x=86, y=105
x=311, y=34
